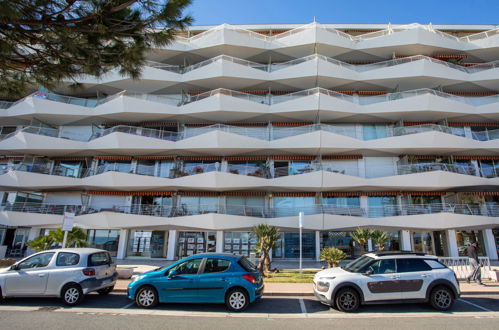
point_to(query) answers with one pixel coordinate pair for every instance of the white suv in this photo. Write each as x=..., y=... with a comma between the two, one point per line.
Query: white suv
x=65, y=273
x=389, y=277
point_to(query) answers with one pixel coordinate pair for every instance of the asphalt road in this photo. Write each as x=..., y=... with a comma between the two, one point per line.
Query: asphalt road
x=116, y=311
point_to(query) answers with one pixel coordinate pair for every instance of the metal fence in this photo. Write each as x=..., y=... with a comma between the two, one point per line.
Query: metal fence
x=461, y=266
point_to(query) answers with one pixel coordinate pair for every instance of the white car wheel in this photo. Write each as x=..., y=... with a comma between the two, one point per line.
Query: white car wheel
x=237, y=300
x=147, y=297
x=72, y=294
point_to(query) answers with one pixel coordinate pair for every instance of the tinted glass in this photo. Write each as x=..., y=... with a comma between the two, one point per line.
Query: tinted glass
x=189, y=267
x=40, y=260
x=216, y=265
x=412, y=265
x=358, y=264
x=67, y=259
x=247, y=265
x=99, y=259
x=383, y=266
x=435, y=264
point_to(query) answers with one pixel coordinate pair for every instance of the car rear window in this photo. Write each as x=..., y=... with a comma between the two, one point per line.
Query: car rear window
x=99, y=259
x=412, y=265
x=216, y=265
x=67, y=259
x=247, y=265
x=435, y=264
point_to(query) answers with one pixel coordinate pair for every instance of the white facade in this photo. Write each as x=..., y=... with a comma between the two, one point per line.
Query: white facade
x=231, y=126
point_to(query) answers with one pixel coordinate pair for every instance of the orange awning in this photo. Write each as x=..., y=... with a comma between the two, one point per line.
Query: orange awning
x=113, y=157
x=132, y=193
x=293, y=194
x=332, y=157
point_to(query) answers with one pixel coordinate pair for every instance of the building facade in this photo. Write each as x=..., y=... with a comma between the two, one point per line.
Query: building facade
x=382, y=126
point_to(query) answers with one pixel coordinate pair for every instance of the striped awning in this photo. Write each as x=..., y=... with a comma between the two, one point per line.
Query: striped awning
x=69, y=158
x=424, y=193
x=11, y=157
x=132, y=193
x=293, y=157
x=246, y=158
x=154, y=157
x=143, y=123
x=341, y=194
x=244, y=193
x=381, y=193
x=199, y=158
x=488, y=93
x=450, y=56
x=367, y=93
x=198, y=193
x=476, y=157
x=424, y=156
x=293, y=194
x=488, y=124
x=252, y=124
x=291, y=124
x=415, y=123
x=332, y=157
x=482, y=193
x=113, y=157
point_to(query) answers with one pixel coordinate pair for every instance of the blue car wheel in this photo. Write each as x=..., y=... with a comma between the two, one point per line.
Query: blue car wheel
x=237, y=300
x=146, y=297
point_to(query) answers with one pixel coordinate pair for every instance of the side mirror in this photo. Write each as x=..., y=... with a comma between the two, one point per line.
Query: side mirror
x=172, y=273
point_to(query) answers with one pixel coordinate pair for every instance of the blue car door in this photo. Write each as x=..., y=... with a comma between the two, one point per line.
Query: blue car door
x=182, y=287
x=213, y=280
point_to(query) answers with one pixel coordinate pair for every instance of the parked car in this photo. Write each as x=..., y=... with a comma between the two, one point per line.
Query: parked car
x=389, y=277
x=202, y=278
x=65, y=273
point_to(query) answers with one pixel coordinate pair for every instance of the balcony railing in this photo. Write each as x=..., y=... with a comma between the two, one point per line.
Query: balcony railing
x=255, y=170
x=260, y=211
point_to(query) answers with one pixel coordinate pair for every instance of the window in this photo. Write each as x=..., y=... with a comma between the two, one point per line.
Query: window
x=67, y=259
x=189, y=267
x=358, y=264
x=383, y=266
x=99, y=259
x=435, y=264
x=247, y=265
x=216, y=265
x=37, y=261
x=412, y=265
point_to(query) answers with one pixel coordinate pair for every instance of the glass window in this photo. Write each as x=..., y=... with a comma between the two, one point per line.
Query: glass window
x=434, y=264
x=385, y=206
x=37, y=261
x=99, y=259
x=412, y=265
x=247, y=265
x=67, y=259
x=290, y=206
x=464, y=239
x=241, y=243
x=358, y=264
x=372, y=132
x=104, y=239
x=383, y=266
x=189, y=267
x=216, y=265
x=292, y=245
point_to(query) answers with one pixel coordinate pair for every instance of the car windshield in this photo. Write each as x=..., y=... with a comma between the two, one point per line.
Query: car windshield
x=358, y=264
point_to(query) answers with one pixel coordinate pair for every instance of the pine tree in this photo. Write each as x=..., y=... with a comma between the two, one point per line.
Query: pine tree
x=43, y=42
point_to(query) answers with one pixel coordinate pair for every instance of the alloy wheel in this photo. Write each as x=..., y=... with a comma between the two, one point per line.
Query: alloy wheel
x=237, y=300
x=71, y=295
x=146, y=298
x=442, y=299
x=348, y=301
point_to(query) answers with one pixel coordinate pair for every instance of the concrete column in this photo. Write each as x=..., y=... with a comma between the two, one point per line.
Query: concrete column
x=490, y=244
x=359, y=131
x=451, y=243
x=370, y=245
x=361, y=165
x=224, y=167
x=33, y=233
x=220, y=242
x=317, y=244
x=121, y=254
x=474, y=162
x=467, y=132
x=364, y=204
x=133, y=166
x=172, y=240
x=405, y=240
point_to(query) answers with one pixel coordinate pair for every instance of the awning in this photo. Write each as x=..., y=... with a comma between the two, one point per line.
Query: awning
x=199, y=158
x=244, y=193
x=488, y=124
x=472, y=93
x=294, y=194
x=69, y=158
x=246, y=158
x=198, y=193
x=291, y=124
x=308, y=158
x=113, y=157
x=476, y=157
x=132, y=193
x=154, y=157
x=332, y=157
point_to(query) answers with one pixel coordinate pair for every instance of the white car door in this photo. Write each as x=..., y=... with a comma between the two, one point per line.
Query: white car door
x=383, y=281
x=29, y=277
x=415, y=276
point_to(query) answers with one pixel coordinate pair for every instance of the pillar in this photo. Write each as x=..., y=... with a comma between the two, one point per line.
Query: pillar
x=490, y=244
x=172, y=239
x=122, y=244
x=452, y=243
x=220, y=241
x=317, y=245
x=405, y=240
x=364, y=205
x=370, y=245
x=361, y=165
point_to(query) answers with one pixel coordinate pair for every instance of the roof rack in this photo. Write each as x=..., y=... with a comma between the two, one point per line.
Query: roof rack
x=395, y=253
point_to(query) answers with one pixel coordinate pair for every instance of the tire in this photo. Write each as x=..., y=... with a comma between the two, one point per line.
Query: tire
x=347, y=300
x=71, y=294
x=146, y=297
x=105, y=291
x=441, y=298
x=237, y=300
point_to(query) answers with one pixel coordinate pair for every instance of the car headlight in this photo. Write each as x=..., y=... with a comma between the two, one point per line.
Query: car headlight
x=322, y=286
x=327, y=278
x=136, y=278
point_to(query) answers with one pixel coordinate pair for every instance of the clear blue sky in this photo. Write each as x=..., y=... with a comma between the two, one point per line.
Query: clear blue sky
x=214, y=12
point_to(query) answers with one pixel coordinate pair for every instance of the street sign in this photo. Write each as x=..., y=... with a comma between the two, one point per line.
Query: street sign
x=67, y=221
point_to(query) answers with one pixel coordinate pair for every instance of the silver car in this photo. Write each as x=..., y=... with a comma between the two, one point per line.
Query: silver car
x=65, y=273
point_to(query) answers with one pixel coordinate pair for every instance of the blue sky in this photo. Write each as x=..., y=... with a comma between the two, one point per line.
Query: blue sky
x=214, y=12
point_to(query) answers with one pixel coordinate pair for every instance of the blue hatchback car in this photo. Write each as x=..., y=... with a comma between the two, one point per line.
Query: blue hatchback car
x=202, y=278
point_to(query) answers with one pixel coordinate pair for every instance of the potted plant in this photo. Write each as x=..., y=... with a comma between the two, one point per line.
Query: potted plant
x=361, y=236
x=198, y=169
x=380, y=237
x=332, y=255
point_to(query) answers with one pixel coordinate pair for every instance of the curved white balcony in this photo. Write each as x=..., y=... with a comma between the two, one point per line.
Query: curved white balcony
x=317, y=177
x=306, y=140
x=300, y=41
x=228, y=105
x=234, y=217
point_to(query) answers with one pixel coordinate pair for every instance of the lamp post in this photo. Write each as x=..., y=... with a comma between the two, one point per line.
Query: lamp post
x=300, y=225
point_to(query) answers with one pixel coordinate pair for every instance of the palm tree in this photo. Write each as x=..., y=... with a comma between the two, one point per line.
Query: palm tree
x=380, y=237
x=332, y=255
x=267, y=237
x=76, y=238
x=361, y=236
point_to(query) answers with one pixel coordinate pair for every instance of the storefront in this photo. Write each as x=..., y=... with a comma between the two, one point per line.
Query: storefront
x=104, y=239
x=288, y=246
x=147, y=244
x=190, y=243
x=464, y=239
x=242, y=243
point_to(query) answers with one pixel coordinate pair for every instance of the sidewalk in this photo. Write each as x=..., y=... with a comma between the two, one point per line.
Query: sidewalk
x=305, y=289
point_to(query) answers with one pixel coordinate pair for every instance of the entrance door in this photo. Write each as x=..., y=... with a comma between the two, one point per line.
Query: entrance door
x=20, y=238
x=190, y=243
x=157, y=244
x=422, y=241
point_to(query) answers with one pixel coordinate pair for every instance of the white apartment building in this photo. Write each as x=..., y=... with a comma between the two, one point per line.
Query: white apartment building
x=357, y=125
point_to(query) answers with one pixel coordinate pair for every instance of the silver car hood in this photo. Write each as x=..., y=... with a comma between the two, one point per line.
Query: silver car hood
x=331, y=272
